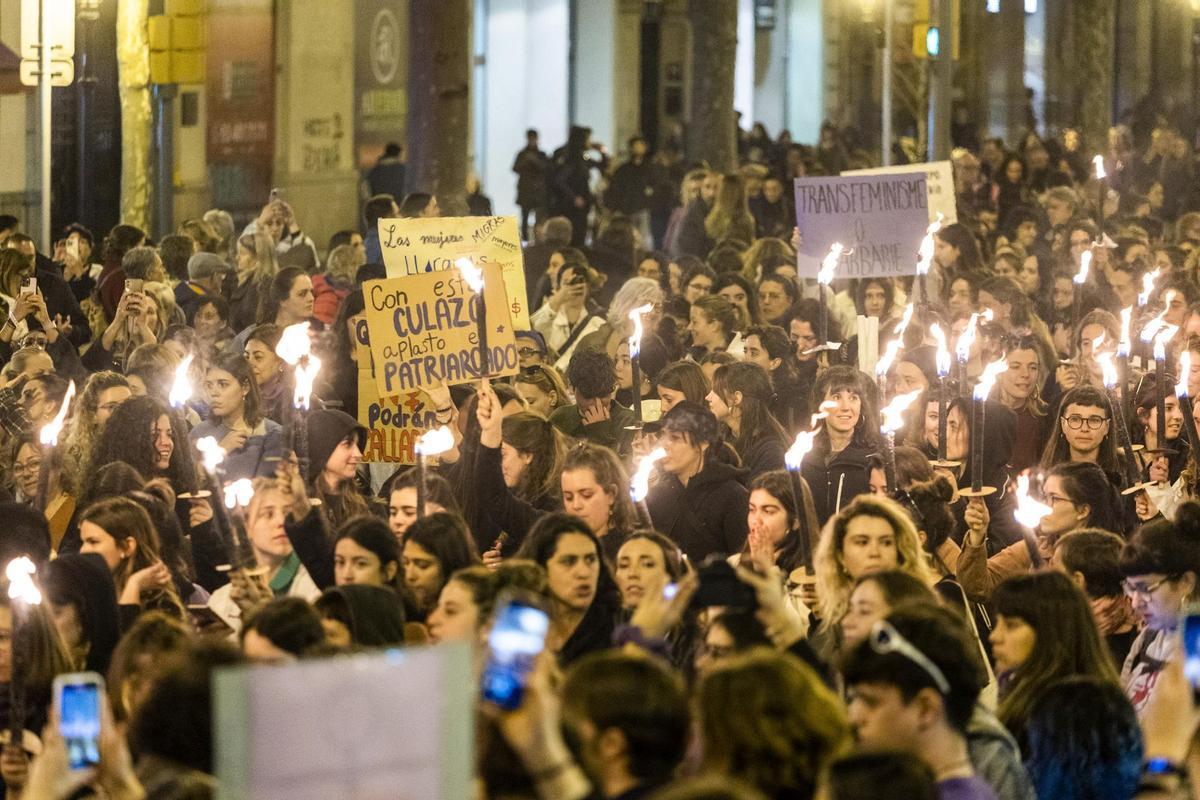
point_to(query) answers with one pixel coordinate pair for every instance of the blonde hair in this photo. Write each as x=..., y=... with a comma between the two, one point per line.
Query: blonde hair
x=730, y=215
x=762, y=250
x=343, y=262
x=834, y=583
x=262, y=247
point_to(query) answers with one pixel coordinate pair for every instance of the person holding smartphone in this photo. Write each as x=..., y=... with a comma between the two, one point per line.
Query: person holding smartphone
x=131, y=326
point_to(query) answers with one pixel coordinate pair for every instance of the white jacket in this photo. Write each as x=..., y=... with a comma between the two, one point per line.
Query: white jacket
x=230, y=613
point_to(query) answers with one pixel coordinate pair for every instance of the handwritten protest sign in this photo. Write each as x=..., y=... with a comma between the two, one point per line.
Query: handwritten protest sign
x=939, y=185
x=416, y=246
x=423, y=330
x=405, y=726
x=393, y=423
x=880, y=218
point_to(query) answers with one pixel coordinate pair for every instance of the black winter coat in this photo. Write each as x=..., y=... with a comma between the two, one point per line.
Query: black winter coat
x=705, y=517
x=836, y=479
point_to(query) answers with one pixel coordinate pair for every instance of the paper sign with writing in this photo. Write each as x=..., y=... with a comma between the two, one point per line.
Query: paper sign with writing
x=424, y=330
x=881, y=219
x=939, y=186
x=416, y=246
x=393, y=423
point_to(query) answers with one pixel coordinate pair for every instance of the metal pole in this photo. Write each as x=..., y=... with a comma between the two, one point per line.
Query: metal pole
x=886, y=102
x=44, y=127
x=84, y=82
x=164, y=93
x=941, y=84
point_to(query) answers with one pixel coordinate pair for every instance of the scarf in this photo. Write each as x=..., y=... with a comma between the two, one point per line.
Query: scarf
x=286, y=574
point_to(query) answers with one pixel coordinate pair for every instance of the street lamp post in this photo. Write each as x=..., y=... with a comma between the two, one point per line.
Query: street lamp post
x=885, y=101
x=89, y=13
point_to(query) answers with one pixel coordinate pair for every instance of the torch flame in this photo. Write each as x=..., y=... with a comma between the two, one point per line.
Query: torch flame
x=1156, y=325
x=905, y=319
x=294, y=344
x=21, y=586
x=943, y=352
x=1124, y=345
x=435, y=442
x=893, y=412
x=1098, y=162
x=1108, y=367
x=1148, y=281
x=1160, y=342
x=830, y=264
x=305, y=375
x=889, y=356
x=181, y=387
x=1029, y=512
x=635, y=341
x=639, y=484
x=472, y=274
x=963, y=346
x=211, y=453
x=925, y=254
x=794, y=457
x=1085, y=263
x=1185, y=369
x=988, y=379
x=48, y=436
x=239, y=493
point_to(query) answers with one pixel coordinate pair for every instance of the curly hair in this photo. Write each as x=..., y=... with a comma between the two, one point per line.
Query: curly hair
x=767, y=718
x=129, y=437
x=834, y=583
x=591, y=373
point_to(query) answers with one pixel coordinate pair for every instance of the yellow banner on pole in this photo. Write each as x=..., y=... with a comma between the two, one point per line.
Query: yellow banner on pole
x=417, y=246
x=393, y=423
x=424, y=330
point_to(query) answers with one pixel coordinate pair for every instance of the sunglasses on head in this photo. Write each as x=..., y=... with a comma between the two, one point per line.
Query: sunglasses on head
x=886, y=639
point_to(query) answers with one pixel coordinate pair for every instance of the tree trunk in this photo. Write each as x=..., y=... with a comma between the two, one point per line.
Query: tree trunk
x=712, y=128
x=1093, y=32
x=439, y=100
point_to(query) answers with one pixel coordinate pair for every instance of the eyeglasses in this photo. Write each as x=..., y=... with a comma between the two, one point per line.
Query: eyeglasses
x=1135, y=590
x=27, y=468
x=885, y=639
x=1075, y=422
x=1055, y=499
x=528, y=352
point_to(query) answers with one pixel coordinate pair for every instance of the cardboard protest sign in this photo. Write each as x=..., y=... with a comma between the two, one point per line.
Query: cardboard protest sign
x=880, y=219
x=393, y=423
x=939, y=186
x=417, y=246
x=423, y=330
x=404, y=729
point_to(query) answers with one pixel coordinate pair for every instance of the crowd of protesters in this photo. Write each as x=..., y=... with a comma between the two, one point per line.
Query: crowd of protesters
x=868, y=630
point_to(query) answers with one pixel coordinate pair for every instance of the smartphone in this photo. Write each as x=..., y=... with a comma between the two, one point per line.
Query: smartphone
x=29, y=285
x=517, y=638
x=1191, y=652
x=720, y=586
x=73, y=247
x=133, y=284
x=77, y=698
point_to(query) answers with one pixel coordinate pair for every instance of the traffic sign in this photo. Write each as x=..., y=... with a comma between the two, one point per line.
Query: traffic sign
x=62, y=71
x=60, y=19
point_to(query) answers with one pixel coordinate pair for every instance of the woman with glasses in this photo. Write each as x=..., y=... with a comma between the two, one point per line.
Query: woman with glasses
x=1161, y=565
x=58, y=493
x=1044, y=632
x=1079, y=495
x=101, y=395
x=1084, y=432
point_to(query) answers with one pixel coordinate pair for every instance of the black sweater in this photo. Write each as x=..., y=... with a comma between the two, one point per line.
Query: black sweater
x=705, y=517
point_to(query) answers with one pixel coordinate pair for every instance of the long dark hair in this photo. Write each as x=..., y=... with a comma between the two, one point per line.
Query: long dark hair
x=128, y=437
x=778, y=484
x=276, y=292
x=1086, y=484
x=1067, y=644
x=843, y=377
x=237, y=366
x=531, y=433
x=757, y=422
x=542, y=541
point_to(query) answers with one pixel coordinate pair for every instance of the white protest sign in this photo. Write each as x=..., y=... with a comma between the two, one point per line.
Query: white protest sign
x=879, y=220
x=397, y=724
x=939, y=183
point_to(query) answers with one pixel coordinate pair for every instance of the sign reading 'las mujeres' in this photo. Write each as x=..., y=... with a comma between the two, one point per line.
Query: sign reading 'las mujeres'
x=423, y=330
x=880, y=219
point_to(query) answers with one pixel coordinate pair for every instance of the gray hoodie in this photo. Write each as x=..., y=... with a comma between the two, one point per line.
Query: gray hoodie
x=996, y=757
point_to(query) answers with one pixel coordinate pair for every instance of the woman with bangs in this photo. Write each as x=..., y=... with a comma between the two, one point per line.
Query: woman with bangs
x=837, y=470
